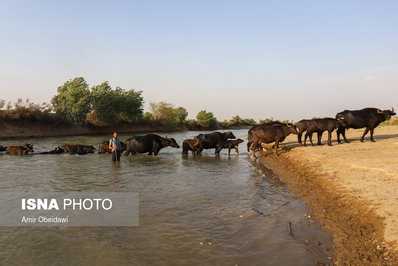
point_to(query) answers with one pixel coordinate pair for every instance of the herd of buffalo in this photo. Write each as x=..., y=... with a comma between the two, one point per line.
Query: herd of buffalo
x=270, y=132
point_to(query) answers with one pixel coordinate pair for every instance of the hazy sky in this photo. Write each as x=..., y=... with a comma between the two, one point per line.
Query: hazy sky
x=258, y=59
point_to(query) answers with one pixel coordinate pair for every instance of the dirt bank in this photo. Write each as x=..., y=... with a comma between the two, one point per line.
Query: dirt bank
x=352, y=189
x=27, y=128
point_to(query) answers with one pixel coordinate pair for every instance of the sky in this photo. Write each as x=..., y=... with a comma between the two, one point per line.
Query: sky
x=258, y=59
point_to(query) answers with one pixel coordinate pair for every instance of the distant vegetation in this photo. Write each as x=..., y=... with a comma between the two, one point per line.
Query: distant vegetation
x=392, y=122
x=101, y=105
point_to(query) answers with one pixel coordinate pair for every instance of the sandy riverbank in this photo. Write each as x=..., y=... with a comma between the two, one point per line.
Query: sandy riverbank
x=352, y=189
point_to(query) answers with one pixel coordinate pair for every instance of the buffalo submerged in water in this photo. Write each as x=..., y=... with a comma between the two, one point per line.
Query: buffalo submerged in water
x=150, y=143
x=78, y=149
x=20, y=150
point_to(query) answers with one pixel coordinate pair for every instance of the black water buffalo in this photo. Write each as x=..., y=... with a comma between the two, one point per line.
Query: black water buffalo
x=194, y=145
x=232, y=144
x=252, y=137
x=104, y=147
x=302, y=126
x=20, y=150
x=268, y=134
x=150, y=143
x=78, y=149
x=318, y=125
x=2, y=148
x=57, y=150
x=214, y=140
x=369, y=118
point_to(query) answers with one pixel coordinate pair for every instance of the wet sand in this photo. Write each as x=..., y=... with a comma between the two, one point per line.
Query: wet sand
x=352, y=190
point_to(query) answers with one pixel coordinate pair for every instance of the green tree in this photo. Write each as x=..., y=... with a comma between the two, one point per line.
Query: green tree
x=181, y=114
x=132, y=105
x=147, y=117
x=236, y=120
x=2, y=104
x=73, y=100
x=249, y=121
x=163, y=112
x=113, y=106
x=206, y=119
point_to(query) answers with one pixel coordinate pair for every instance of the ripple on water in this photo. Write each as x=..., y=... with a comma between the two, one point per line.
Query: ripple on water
x=193, y=209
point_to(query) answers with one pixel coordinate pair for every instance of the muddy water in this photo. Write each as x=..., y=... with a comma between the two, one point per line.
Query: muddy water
x=194, y=210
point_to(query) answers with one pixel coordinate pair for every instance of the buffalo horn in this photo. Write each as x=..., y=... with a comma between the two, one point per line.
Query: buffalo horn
x=392, y=109
x=379, y=111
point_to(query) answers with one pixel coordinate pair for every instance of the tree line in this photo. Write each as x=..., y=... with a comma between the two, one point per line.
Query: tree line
x=101, y=105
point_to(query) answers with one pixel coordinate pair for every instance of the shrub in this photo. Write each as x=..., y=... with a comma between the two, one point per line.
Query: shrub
x=206, y=119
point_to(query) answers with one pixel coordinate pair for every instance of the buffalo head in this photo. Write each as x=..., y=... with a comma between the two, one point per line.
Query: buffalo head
x=292, y=128
x=29, y=147
x=172, y=142
x=229, y=135
x=90, y=148
x=387, y=113
x=239, y=141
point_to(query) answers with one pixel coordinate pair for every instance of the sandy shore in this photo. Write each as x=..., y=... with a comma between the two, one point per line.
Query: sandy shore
x=352, y=189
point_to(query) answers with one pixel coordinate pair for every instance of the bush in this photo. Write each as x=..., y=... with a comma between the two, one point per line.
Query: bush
x=181, y=114
x=27, y=110
x=206, y=119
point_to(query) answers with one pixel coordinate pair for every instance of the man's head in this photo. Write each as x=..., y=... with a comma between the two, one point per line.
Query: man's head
x=115, y=134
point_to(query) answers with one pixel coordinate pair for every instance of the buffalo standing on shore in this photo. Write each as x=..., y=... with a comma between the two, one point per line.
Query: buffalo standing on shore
x=318, y=125
x=368, y=118
x=150, y=143
x=268, y=133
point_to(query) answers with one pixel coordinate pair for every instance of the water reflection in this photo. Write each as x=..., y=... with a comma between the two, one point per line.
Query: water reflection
x=194, y=210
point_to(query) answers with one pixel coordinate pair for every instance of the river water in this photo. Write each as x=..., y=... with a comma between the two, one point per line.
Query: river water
x=194, y=210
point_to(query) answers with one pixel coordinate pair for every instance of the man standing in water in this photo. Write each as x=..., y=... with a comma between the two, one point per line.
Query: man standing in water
x=114, y=145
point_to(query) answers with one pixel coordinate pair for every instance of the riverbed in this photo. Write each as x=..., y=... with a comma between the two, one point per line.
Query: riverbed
x=194, y=210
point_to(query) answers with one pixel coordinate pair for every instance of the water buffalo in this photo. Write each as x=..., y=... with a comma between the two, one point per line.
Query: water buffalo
x=254, y=128
x=268, y=134
x=302, y=126
x=368, y=118
x=2, y=148
x=104, y=147
x=194, y=145
x=57, y=150
x=78, y=149
x=318, y=125
x=20, y=150
x=232, y=144
x=150, y=143
x=214, y=140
